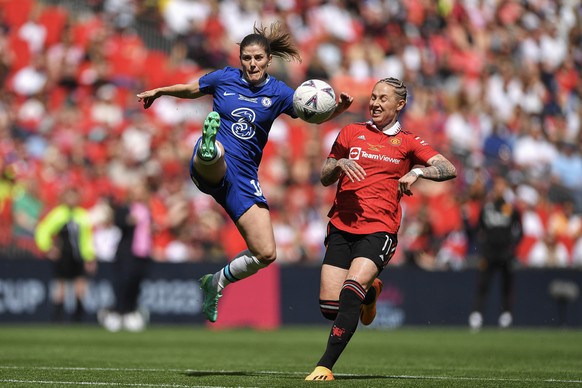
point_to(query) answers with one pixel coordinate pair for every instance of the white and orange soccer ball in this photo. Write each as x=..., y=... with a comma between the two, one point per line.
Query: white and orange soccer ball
x=314, y=101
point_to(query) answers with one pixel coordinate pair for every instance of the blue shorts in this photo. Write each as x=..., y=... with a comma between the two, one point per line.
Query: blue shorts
x=237, y=191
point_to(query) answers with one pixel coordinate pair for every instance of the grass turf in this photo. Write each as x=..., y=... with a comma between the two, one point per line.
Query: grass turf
x=186, y=356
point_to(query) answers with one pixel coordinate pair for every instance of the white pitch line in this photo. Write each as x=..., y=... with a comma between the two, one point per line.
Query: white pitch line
x=227, y=372
x=80, y=368
x=109, y=384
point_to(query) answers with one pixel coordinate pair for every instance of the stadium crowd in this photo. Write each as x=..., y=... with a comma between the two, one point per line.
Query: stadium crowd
x=495, y=85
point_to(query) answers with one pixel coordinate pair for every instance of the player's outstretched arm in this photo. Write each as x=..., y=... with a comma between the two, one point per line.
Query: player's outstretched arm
x=191, y=91
x=345, y=100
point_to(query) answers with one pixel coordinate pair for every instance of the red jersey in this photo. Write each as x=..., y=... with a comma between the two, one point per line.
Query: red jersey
x=372, y=205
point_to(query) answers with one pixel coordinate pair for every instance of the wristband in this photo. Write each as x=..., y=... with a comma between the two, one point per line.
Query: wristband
x=417, y=171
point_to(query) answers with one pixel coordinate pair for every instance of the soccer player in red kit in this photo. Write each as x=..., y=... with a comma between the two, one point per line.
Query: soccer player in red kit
x=374, y=163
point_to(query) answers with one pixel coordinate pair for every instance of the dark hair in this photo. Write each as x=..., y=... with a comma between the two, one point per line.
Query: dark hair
x=276, y=42
x=399, y=87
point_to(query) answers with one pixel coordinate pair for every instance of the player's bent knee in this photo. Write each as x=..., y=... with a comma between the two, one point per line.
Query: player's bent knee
x=267, y=257
x=266, y=261
x=329, y=308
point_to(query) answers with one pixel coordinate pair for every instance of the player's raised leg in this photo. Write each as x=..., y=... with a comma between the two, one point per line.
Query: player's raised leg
x=209, y=157
x=255, y=227
x=210, y=299
x=208, y=149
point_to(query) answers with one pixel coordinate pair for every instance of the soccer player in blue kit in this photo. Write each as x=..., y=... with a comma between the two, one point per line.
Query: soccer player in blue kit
x=226, y=158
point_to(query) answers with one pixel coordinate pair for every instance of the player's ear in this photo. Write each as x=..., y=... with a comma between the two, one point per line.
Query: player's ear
x=401, y=105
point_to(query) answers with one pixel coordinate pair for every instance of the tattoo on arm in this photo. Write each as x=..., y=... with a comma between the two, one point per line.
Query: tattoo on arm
x=330, y=172
x=440, y=170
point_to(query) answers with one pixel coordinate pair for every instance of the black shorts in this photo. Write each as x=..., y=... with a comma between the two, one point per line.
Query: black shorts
x=69, y=268
x=343, y=247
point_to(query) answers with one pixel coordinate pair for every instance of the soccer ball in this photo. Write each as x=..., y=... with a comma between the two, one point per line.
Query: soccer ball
x=314, y=101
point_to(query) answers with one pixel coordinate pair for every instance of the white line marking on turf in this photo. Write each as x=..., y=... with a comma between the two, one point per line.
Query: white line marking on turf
x=109, y=384
x=91, y=368
x=226, y=372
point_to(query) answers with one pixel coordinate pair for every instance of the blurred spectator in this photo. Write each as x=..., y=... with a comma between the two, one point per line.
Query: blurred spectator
x=132, y=257
x=170, y=211
x=532, y=152
x=503, y=91
x=533, y=225
x=65, y=236
x=137, y=138
x=497, y=146
x=499, y=233
x=122, y=12
x=7, y=56
x=566, y=173
x=471, y=206
x=418, y=240
x=33, y=32
x=549, y=252
x=64, y=60
x=463, y=129
x=106, y=234
x=105, y=110
x=26, y=212
x=287, y=237
x=452, y=253
x=6, y=193
x=32, y=119
x=31, y=79
x=208, y=242
x=180, y=15
x=565, y=223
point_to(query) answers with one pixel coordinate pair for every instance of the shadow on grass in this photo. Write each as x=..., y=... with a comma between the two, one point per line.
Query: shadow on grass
x=201, y=373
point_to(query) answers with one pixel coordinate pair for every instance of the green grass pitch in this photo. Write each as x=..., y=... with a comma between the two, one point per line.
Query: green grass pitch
x=195, y=356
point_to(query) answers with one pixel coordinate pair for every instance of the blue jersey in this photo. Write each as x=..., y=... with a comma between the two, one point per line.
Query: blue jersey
x=246, y=115
x=246, y=112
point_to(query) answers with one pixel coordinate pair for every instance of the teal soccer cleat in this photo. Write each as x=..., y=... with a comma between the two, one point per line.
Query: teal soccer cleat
x=211, y=296
x=207, y=150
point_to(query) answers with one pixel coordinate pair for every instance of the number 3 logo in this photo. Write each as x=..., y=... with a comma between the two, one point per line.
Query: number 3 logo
x=244, y=128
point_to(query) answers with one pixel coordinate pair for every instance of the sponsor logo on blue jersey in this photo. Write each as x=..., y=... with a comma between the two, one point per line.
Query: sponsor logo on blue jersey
x=244, y=128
